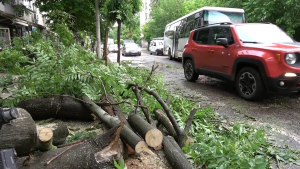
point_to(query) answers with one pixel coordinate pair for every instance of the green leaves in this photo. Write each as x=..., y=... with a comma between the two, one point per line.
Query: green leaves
x=121, y=164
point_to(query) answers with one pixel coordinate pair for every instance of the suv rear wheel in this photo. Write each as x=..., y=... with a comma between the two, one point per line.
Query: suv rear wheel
x=249, y=84
x=189, y=71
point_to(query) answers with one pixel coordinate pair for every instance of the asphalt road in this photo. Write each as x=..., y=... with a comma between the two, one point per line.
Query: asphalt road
x=278, y=114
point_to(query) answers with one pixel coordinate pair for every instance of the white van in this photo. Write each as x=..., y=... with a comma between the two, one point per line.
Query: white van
x=157, y=46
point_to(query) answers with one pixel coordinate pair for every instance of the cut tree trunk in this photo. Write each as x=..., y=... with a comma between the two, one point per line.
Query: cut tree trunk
x=60, y=134
x=174, y=154
x=46, y=139
x=82, y=155
x=58, y=107
x=152, y=135
x=20, y=133
x=164, y=120
x=133, y=140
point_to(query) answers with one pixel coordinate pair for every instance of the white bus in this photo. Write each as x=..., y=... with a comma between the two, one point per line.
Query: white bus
x=177, y=32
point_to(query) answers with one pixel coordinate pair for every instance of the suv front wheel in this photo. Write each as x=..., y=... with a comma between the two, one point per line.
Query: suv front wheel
x=189, y=71
x=249, y=84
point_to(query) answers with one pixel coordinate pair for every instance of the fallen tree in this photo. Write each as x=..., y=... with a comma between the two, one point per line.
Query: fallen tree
x=85, y=154
x=20, y=133
x=59, y=107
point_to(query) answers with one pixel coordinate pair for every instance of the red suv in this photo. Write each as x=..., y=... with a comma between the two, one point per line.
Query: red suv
x=257, y=57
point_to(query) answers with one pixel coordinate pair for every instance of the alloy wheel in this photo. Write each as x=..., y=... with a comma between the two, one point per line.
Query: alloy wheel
x=247, y=84
x=188, y=70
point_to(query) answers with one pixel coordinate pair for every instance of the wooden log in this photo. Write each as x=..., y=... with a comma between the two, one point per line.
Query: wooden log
x=164, y=120
x=83, y=155
x=60, y=134
x=58, y=107
x=45, y=139
x=20, y=133
x=152, y=135
x=133, y=140
x=174, y=154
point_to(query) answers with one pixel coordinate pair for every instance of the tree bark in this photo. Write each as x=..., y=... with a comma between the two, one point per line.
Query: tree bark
x=174, y=154
x=118, y=39
x=133, y=140
x=20, y=133
x=58, y=107
x=152, y=135
x=98, y=30
x=60, y=134
x=105, y=43
x=163, y=119
x=83, y=155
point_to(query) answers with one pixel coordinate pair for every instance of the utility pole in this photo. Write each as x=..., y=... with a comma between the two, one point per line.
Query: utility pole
x=98, y=45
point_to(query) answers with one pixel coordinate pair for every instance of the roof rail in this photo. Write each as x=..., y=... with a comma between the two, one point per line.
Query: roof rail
x=219, y=23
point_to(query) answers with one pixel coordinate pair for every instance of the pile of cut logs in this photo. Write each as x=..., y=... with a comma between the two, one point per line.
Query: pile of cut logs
x=134, y=134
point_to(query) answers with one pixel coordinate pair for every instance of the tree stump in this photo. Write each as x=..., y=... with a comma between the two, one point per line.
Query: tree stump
x=20, y=133
x=152, y=135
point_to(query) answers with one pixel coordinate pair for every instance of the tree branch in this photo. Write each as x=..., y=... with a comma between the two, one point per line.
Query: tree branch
x=141, y=103
x=166, y=109
x=168, y=101
x=189, y=121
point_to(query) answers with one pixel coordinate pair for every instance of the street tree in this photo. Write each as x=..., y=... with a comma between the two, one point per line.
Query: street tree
x=121, y=11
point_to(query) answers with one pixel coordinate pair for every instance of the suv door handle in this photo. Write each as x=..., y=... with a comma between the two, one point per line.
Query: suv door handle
x=210, y=51
x=194, y=49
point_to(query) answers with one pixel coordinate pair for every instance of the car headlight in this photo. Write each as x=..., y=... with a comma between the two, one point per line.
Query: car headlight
x=127, y=50
x=139, y=49
x=290, y=58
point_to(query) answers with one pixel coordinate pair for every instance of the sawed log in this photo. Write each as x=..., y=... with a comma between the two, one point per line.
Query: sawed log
x=58, y=107
x=152, y=135
x=174, y=154
x=20, y=133
x=164, y=120
x=83, y=155
x=46, y=139
x=132, y=139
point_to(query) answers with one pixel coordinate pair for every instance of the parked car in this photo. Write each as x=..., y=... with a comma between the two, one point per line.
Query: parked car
x=113, y=48
x=131, y=49
x=157, y=46
x=257, y=57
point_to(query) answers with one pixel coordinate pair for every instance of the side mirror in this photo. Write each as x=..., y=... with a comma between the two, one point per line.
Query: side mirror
x=222, y=42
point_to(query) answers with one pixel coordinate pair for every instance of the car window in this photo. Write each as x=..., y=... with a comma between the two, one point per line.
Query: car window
x=201, y=36
x=160, y=43
x=220, y=32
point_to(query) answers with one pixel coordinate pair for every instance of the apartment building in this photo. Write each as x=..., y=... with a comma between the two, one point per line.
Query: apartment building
x=17, y=24
x=145, y=12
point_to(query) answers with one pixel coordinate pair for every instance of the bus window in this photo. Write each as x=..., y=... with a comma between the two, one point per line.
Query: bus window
x=189, y=28
x=211, y=17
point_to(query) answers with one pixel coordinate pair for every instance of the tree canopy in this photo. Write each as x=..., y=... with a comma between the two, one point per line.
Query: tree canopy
x=165, y=11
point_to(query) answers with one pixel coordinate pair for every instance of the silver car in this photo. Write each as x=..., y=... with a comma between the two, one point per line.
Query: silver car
x=131, y=49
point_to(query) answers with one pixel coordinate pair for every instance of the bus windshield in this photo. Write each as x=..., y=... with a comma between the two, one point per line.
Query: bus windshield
x=211, y=17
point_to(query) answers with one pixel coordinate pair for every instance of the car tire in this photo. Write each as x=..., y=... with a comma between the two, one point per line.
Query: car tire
x=150, y=53
x=170, y=55
x=249, y=84
x=190, y=71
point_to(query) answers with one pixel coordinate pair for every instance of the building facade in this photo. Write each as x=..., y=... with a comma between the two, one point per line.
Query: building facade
x=14, y=23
